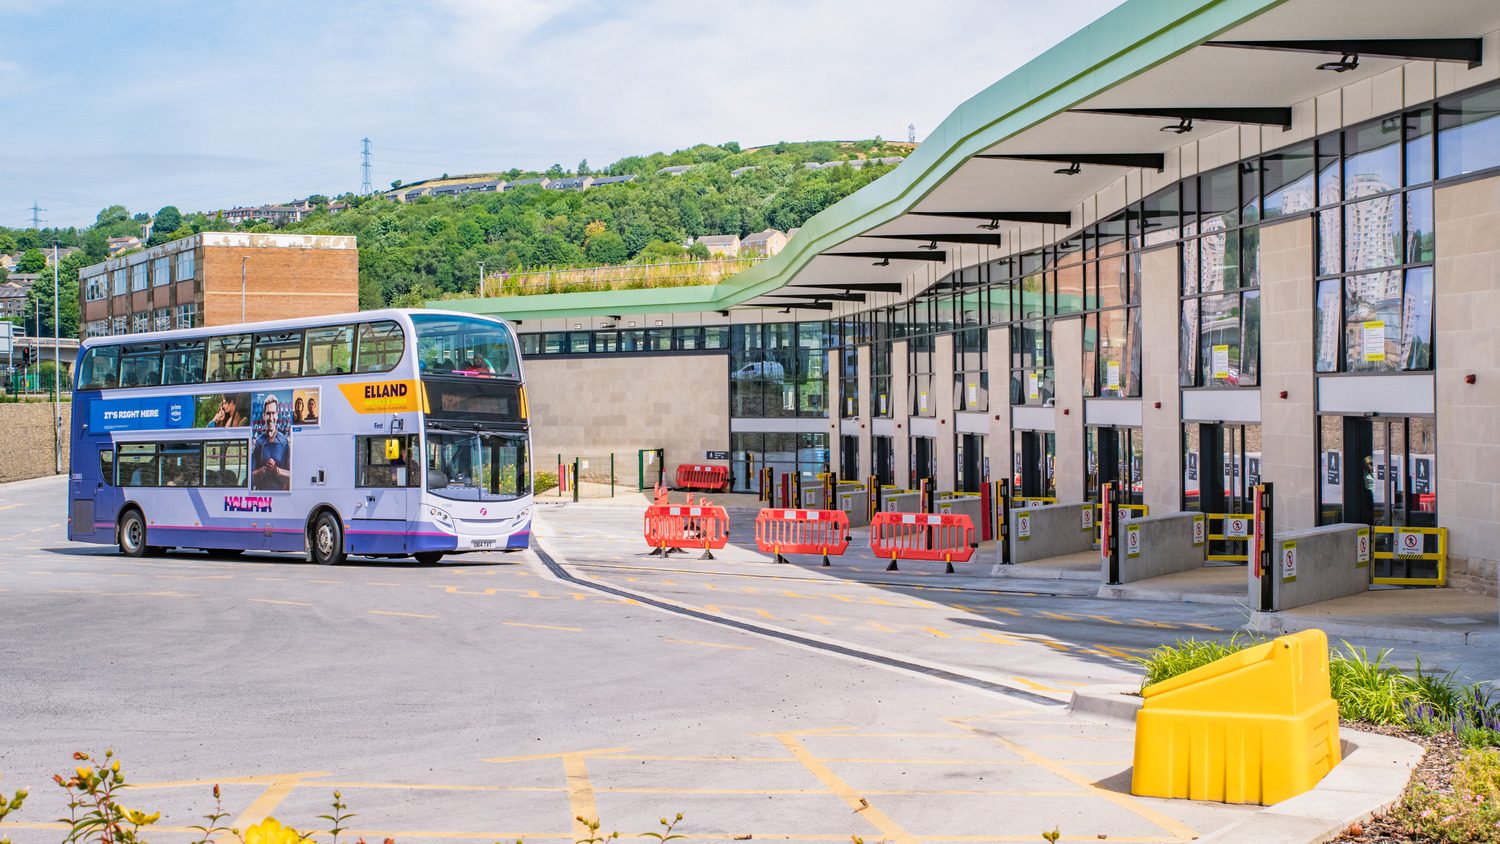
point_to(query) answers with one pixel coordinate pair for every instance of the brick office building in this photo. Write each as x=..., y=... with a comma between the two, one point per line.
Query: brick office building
x=219, y=278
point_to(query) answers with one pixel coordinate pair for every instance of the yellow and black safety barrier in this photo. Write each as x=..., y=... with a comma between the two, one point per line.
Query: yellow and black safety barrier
x=1230, y=528
x=1412, y=544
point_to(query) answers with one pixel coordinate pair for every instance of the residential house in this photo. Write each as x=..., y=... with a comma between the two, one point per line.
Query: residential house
x=727, y=245
x=13, y=292
x=571, y=183
x=116, y=245
x=600, y=181
x=675, y=169
x=764, y=244
x=539, y=181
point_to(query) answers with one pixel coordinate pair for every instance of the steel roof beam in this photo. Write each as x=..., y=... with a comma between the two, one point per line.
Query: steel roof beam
x=826, y=297
x=1152, y=160
x=985, y=239
x=1257, y=115
x=1056, y=218
x=1467, y=50
x=937, y=255
x=866, y=286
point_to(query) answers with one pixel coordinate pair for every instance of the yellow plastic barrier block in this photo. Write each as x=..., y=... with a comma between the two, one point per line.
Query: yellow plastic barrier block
x=1258, y=726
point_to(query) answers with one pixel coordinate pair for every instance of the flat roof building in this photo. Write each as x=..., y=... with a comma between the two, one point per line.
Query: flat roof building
x=1192, y=248
x=197, y=281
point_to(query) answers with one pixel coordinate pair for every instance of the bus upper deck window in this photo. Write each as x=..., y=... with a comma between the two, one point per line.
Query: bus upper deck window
x=140, y=366
x=183, y=362
x=229, y=358
x=380, y=346
x=100, y=369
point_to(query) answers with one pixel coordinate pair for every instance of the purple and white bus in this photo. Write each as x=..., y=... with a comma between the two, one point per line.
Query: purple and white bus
x=394, y=433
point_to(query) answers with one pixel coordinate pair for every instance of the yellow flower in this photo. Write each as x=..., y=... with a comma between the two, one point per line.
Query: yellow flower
x=83, y=772
x=139, y=818
x=271, y=831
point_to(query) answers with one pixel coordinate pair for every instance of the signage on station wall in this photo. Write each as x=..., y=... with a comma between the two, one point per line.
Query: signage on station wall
x=1288, y=561
x=715, y=455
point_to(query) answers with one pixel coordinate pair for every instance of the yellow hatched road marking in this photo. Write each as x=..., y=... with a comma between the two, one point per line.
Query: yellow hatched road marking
x=1168, y=824
x=280, y=788
x=1149, y=623
x=543, y=626
x=881, y=627
x=1057, y=615
x=823, y=620
x=1034, y=685
x=1104, y=618
x=936, y=632
x=401, y=614
x=283, y=603
x=709, y=644
x=993, y=638
x=876, y=818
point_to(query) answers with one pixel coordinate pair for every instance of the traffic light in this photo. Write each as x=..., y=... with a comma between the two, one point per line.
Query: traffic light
x=26, y=358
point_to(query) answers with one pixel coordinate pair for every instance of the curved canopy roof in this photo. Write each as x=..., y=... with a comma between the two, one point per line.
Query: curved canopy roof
x=1017, y=161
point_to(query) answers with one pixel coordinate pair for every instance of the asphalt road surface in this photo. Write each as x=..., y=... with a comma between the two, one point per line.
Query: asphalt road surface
x=501, y=696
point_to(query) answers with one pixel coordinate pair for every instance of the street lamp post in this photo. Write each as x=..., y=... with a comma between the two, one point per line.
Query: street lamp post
x=56, y=366
x=481, y=279
x=243, y=259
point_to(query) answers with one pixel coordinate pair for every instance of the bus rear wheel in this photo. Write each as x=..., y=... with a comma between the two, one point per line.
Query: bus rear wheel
x=428, y=558
x=131, y=534
x=325, y=541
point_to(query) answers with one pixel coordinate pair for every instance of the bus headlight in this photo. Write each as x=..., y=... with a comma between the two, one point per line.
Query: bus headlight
x=441, y=517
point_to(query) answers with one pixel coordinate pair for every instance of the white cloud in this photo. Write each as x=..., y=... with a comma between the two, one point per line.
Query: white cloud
x=465, y=85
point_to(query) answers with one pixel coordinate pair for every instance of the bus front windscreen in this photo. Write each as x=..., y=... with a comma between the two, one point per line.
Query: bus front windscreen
x=465, y=347
x=477, y=465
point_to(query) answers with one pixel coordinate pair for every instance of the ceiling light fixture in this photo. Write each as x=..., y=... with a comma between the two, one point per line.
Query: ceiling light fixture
x=1182, y=127
x=1071, y=170
x=1349, y=62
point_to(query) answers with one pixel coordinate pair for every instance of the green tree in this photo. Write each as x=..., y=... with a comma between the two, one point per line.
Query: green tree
x=583, y=168
x=32, y=261
x=166, y=221
x=111, y=215
x=606, y=248
x=7, y=243
x=555, y=171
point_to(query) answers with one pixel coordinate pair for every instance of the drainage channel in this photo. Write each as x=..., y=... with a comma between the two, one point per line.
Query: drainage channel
x=561, y=573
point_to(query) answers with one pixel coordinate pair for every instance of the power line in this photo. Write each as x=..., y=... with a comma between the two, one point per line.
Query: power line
x=36, y=215
x=365, y=188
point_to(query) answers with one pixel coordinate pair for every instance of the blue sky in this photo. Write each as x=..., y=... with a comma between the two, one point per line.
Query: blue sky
x=212, y=104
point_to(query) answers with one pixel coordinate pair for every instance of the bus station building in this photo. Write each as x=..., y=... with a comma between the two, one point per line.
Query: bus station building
x=1193, y=247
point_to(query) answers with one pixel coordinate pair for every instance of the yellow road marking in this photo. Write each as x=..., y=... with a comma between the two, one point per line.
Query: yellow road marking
x=1168, y=824
x=821, y=620
x=335, y=582
x=280, y=788
x=543, y=626
x=1104, y=618
x=994, y=638
x=380, y=583
x=401, y=614
x=876, y=818
x=936, y=632
x=598, y=751
x=284, y=603
x=1112, y=651
x=881, y=627
x=10, y=506
x=1034, y=685
x=1208, y=627
x=1149, y=623
x=623, y=758
x=709, y=644
x=1057, y=615
x=581, y=803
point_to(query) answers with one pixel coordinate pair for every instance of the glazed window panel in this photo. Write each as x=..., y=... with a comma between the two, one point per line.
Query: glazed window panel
x=1416, y=320
x=1219, y=341
x=1372, y=234
x=1329, y=319
x=1287, y=179
x=1469, y=133
x=1372, y=158
x=1187, y=347
x=1420, y=242
x=1372, y=322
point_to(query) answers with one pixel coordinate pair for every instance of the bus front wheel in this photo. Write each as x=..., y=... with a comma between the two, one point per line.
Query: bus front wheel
x=131, y=533
x=326, y=541
x=428, y=558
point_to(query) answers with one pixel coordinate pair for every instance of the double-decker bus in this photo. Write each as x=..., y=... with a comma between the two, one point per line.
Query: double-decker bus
x=392, y=433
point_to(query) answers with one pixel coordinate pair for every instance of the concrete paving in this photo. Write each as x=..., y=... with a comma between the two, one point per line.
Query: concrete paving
x=489, y=699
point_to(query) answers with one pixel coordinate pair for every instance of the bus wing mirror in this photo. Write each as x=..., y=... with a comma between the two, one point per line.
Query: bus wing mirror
x=392, y=449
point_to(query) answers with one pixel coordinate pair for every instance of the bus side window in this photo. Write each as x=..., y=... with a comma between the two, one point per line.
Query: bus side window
x=107, y=465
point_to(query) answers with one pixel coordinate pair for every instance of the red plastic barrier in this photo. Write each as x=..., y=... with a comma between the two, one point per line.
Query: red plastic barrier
x=673, y=527
x=692, y=476
x=779, y=531
x=922, y=536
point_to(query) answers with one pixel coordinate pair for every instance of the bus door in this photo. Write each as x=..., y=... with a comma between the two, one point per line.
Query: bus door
x=390, y=466
x=95, y=496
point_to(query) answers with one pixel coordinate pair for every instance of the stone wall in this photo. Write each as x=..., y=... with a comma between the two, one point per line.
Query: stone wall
x=590, y=407
x=1467, y=293
x=1286, y=354
x=27, y=446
